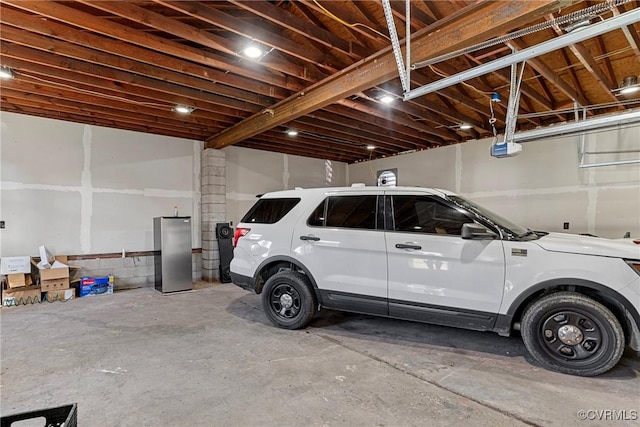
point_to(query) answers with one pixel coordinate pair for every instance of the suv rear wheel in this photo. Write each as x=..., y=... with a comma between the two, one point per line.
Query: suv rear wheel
x=573, y=334
x=288, y=300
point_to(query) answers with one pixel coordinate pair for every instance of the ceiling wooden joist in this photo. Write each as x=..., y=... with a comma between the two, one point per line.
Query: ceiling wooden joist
x=325, y=66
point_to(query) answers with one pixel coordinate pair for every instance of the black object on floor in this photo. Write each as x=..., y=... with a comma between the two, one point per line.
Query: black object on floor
x=224, y=233
x=66, y=416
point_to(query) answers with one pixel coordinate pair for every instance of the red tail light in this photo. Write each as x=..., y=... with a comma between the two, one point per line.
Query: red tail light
x=240, y=232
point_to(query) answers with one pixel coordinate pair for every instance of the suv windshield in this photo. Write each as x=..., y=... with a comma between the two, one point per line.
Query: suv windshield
x=514, y=229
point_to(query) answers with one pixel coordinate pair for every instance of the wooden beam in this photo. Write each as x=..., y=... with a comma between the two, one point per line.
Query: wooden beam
x=65, y=87
x=525, y=88
x=54, y=30
x=304, y=140
x=336, y=9
x=187, y=32
x=308, y=136
x=56, y=114
x=181, y=94
x=401, y=124
x=546, y=72
x=43, y=67
x=91, y=110
x=607, y=63
x=457, y=94
x=589, y=62
x=363, y=132
x=30, y=86
x=475, y=23
x=117, y=31
x=249, y=31
x=630, y=33
x=84, y=54
x=293, y=23
x=298, y=150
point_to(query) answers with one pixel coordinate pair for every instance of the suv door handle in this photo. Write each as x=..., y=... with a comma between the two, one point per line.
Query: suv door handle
x=310, y=238
x=407, y=246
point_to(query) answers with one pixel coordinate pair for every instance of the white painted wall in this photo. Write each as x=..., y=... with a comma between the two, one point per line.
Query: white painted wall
x=81, y=189
x=253, y=172
x=541, y=188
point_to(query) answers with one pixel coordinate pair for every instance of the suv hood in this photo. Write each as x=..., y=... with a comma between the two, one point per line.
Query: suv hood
x=574, y=244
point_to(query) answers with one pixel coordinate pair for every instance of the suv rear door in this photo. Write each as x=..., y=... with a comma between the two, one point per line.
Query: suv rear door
x=435, y=275
x=342, y=244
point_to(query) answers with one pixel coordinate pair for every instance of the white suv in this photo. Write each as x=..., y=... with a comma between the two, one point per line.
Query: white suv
x=432, y=256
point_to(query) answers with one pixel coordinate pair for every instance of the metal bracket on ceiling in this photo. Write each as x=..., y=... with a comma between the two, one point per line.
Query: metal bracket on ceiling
x=625, y=19
x=395, y=43
x=514, y=100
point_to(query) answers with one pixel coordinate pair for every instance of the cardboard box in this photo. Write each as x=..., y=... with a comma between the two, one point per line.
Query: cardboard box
x=54, y=284
x=61, y=295
x=57, y=270
x=15, y=264
x=62, y=258
x=96, y=285
x=21, y=296
x=18, y=280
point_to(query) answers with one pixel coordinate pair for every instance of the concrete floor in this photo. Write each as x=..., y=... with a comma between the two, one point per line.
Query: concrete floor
x=210, y=357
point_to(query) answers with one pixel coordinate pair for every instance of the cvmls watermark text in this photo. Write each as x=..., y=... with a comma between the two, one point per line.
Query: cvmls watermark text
x=608, y=415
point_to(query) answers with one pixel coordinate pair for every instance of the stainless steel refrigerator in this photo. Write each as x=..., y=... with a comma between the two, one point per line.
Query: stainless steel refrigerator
x=172, y=253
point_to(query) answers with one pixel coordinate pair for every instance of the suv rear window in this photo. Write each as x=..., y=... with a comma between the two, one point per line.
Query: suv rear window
x=269, y=211
x=346, y=212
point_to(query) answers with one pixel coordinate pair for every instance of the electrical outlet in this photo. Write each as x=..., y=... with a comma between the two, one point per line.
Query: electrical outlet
x=565, y=226
x=1, y=224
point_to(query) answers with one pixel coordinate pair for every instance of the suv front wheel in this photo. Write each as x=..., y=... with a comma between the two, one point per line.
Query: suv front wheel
x=288, y=300
x=573, y=334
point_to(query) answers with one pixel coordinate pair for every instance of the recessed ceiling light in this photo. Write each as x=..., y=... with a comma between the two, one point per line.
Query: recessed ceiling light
x=6, y=73
x=292, y=132
x=371, y=147
x=183, y=109
x=465, y=126
x=253, y=51
x=386, y=99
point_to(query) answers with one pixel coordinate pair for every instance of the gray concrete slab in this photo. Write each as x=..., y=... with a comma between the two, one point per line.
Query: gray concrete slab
x=210, y=357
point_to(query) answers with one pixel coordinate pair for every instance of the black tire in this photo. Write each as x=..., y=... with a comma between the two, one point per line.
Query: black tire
x=573, y=334
x=288, y=300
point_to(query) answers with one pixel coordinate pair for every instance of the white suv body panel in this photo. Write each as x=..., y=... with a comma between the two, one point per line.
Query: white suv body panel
x=543, y=266
x=351, y=261
x=570, y=243
x=446, y=271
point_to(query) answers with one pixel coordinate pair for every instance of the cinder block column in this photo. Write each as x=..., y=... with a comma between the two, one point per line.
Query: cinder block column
x=214, y=209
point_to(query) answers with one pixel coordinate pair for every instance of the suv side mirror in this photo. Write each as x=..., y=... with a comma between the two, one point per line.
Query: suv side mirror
x=472, y=230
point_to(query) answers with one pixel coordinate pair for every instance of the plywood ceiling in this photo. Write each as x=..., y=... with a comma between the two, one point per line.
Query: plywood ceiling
x=126, y=64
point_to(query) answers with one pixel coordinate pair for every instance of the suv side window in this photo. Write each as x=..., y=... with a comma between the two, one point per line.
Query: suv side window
x=424, y=214
x=317, y=216
x=269, y=211
x=346, y=212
